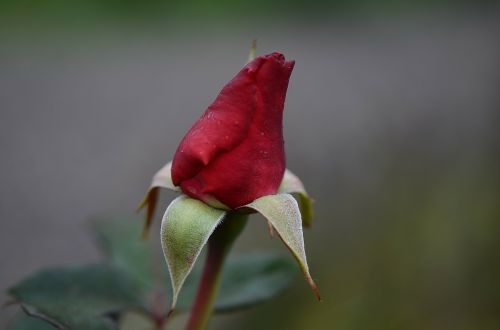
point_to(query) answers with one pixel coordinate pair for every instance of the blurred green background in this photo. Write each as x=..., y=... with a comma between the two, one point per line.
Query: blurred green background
x=392, y=121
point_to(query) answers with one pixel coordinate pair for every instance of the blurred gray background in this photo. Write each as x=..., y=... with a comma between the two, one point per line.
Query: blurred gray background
x=391, y=121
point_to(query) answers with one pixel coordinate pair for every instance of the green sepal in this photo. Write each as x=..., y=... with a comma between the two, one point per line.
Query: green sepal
x=162, y=179
x=291, y=184
x=185, y=229
x=283, y=213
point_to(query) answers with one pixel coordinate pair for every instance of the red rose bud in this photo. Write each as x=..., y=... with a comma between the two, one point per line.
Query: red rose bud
x=234, y=153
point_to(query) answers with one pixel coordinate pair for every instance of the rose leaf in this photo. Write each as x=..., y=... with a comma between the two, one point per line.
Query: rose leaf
x=78, y=297
x=247, y=279
x=119, y=239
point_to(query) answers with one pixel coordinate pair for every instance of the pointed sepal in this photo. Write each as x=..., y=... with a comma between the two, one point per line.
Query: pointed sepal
x=185, y=229
x=162, y=179
x=282, y=211
x=291, y=184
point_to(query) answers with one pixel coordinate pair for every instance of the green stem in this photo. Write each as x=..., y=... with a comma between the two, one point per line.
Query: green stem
x=219, y=246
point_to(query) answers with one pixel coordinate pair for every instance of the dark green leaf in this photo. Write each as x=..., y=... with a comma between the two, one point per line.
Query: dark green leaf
x=247, y=279
x=25, y=322
x=78, y=297
x=121, y=242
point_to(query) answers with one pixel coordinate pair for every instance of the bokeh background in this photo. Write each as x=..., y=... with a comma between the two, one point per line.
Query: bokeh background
x=392, y=121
